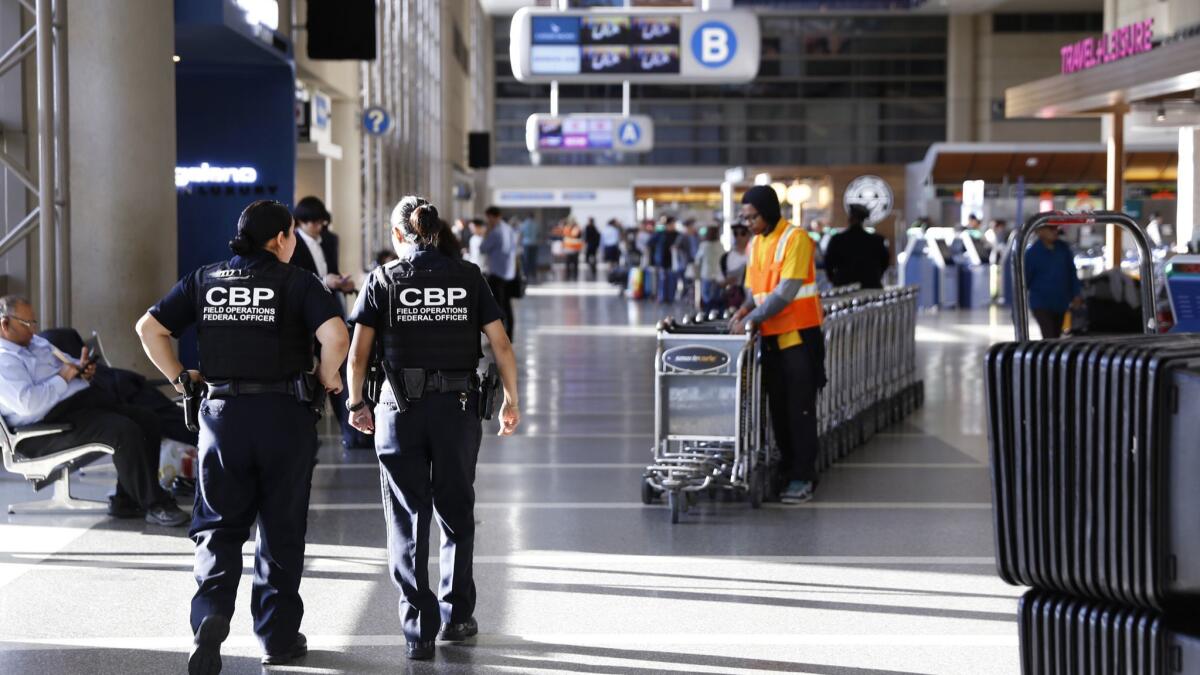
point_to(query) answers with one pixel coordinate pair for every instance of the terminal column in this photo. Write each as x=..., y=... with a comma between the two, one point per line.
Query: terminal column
x=1188, y=197
x=122, y=164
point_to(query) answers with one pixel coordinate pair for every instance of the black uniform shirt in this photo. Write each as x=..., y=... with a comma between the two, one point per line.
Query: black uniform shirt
x=371, y=308
x=307, y=297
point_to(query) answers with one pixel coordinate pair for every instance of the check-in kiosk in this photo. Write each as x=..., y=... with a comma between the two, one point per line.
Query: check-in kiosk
x=1183, y=288
x=928, y=263
x=972, y=257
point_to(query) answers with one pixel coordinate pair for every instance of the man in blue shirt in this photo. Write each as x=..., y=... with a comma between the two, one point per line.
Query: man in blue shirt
x=1052, y=281
x=499, y=248
x=39, y=384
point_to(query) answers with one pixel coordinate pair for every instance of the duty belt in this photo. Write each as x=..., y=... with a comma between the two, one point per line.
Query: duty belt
x=232, y=388
x=457, y=382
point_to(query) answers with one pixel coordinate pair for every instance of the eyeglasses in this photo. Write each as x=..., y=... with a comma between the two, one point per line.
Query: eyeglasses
x=28, y=323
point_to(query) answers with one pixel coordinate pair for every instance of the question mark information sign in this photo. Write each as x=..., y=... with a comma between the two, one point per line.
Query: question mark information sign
x=376, y=121
x=638, y=45
x=589, y=132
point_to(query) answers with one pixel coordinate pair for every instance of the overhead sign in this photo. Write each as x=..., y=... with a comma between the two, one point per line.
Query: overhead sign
x=872, y=192
x=589, y=133
x=1121, y=43
x=648, y=45
x=376, y=121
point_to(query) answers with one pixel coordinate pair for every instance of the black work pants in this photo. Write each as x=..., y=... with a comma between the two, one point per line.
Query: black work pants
x=134, y=434
x=1050, y=322
x=427, y=458
x=503, y=298
x=257, y=453
x=792, y=378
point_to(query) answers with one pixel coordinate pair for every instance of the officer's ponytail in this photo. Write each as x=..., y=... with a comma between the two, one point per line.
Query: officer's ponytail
x=425, y=224
x=261, y=222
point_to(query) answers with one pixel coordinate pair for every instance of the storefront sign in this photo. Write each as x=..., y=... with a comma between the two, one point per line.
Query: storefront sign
x=1113, y=46
x=214, y=175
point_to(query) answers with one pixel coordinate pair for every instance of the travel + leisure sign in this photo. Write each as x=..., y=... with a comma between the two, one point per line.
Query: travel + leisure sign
x=1136, y=38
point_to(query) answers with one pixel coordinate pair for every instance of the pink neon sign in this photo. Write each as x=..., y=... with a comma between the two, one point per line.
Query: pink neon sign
x=1113, y=46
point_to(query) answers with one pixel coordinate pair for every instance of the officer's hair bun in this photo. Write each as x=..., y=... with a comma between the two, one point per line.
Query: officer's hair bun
x=259, y=223
x=425, y=223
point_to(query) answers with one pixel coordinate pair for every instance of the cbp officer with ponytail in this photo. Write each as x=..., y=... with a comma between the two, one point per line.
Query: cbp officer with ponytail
x=426, y=312
x=256, y=318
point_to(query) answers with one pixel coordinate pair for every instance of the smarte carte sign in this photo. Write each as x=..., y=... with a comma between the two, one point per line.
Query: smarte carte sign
x=1119, y=44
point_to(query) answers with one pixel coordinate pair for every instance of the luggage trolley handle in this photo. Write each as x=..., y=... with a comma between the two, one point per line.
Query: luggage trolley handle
x=1020, y=242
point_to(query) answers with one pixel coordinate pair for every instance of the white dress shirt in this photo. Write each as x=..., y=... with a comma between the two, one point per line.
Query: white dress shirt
x=318, y=255
x=30, y=385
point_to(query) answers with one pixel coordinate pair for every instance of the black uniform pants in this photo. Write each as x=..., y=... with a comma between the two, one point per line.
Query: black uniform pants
x=256, y=463
x=134, y=433
x=792, y=378
x=427, y=458
x=503, y=298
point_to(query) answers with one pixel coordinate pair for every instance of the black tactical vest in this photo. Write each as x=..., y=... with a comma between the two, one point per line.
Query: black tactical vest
x=243, y=326
x=432, y=315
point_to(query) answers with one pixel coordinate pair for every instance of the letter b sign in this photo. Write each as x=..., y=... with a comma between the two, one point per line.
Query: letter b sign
x=714, y=44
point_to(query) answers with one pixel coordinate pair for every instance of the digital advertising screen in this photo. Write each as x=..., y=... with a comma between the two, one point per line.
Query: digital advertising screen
x=634, y=45
x=604, y=44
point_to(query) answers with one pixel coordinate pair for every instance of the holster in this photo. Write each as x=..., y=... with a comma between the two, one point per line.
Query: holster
x=397, y=386
x=310, y=391
x=489, y=393
x=193, y=394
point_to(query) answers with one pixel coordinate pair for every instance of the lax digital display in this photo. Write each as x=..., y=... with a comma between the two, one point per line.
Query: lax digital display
x=604, y=45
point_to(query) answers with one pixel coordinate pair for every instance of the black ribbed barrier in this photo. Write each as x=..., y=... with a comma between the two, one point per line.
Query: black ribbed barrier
x=1095, y=456
x=1065, y=635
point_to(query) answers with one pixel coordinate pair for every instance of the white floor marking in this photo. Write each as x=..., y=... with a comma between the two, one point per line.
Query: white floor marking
x=623, y=640
x=576, y=506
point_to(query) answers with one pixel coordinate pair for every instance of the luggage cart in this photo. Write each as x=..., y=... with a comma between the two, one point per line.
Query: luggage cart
x=702, y=375
x=712, y=429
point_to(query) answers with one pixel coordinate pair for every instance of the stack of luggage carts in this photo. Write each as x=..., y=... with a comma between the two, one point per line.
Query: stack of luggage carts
x=712, y=427
x=1095, y=455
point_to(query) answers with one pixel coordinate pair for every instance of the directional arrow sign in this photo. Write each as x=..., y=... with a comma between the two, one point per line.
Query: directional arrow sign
x=589, y=132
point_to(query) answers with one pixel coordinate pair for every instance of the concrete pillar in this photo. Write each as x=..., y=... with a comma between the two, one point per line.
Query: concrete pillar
x=122, y=114
x=1188, y=198
x=1115, y=189
x=345, y=188
x=960, y=79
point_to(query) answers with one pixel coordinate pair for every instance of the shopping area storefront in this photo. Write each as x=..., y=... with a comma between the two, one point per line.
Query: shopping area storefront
x=1148, y=92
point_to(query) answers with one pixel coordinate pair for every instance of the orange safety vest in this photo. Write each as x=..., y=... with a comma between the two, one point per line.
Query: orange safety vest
x=572, y=239
x=765, y=270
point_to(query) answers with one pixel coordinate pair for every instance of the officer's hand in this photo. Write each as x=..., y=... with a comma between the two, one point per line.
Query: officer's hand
x=333, y=282
x=194, y=376
x=331, y=381
x=510, y=417
x=363, y=420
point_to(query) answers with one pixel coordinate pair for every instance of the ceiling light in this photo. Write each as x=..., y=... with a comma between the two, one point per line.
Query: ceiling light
x=176, y=58
x=1161, y=115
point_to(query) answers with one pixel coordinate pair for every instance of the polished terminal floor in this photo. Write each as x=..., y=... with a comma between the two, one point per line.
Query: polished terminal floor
x=889, y=571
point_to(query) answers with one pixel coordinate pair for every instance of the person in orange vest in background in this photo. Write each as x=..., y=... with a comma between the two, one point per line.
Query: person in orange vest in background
x=784, y=306
x=572, y=243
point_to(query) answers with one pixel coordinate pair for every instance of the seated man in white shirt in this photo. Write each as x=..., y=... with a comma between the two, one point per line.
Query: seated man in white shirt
x=40, y=385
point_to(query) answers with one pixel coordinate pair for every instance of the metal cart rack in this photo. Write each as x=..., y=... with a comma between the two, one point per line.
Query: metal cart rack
x=712, y=427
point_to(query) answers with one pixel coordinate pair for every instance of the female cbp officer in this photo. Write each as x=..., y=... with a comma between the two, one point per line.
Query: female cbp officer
x=256, y=320
x=428, y=311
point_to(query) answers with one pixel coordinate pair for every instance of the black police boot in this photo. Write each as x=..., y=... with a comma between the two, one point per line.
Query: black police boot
x=298, y=650
x=419, y=651
x=124, y=507
x=205, y=658
x=458, y=632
